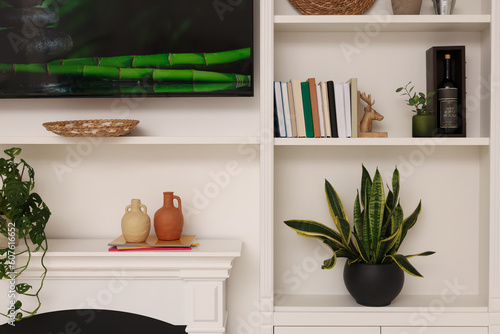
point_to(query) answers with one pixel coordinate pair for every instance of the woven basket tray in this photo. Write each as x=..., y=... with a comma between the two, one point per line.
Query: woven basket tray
x=332, y=7
x=92, y=127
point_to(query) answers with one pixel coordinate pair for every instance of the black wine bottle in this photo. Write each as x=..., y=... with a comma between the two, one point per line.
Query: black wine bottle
x=448, y=108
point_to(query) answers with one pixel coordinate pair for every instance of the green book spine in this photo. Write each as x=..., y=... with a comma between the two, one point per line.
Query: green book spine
x=306, y=101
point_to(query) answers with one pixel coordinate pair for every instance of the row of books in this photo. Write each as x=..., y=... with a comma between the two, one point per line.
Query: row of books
x=310, y=109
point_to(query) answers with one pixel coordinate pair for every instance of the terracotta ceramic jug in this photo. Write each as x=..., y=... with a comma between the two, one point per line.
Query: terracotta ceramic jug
x=136, y=223
x=168, y=220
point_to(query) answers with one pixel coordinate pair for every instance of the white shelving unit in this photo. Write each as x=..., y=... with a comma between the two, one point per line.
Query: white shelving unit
x=386, y=23
x=129, y=140
x=456, y=178
x=381, y=141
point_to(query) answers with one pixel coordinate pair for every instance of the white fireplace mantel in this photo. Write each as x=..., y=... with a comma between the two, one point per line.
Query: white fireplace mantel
x=205, y=268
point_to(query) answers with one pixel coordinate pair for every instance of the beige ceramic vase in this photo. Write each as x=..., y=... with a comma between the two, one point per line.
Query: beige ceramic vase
x=136, y=223
x=168, y=220
x=406, y=7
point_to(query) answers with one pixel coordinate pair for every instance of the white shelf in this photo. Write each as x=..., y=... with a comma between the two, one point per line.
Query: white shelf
x=403, y=303
x=90, y=258
x=381, y=141
x=342, y=310
x=129, y=140
x=395, y=23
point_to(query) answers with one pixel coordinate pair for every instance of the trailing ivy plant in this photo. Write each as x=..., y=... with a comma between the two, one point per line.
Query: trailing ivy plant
x=379, y=226
x=22, y=213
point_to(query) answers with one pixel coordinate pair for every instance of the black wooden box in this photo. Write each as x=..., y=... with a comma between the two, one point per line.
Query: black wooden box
x=435, y=74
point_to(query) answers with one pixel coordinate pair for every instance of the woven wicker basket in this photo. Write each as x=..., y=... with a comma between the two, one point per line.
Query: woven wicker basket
x=332, y=7
x=92, y=127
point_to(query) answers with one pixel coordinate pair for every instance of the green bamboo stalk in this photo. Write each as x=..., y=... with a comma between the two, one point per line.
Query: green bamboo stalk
x=196, y=87
x=115, y=73
x=163, y=60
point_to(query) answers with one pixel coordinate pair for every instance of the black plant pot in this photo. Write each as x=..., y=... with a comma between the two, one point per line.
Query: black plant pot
x=373, y=284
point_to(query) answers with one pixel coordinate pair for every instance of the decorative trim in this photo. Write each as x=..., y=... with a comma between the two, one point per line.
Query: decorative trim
x=205, y=268
x=266, y=303
x=494, y=290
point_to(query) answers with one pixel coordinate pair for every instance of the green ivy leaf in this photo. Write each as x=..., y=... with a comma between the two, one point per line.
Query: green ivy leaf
x=12, y=152
x=17, y=306
x=22, y=288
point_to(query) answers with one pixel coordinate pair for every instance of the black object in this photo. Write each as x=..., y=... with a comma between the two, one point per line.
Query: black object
x=114, y=28
x=333, y=112
x=91, y=321
x=24, y=3
x=373, y=284
x=435, y=60
x=447, y=101
x=19, y=17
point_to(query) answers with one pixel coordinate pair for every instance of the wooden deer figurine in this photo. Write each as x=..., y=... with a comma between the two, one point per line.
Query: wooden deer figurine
x=365, y=126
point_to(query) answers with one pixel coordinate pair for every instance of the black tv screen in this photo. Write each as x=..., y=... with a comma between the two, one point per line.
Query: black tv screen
x=80, y=48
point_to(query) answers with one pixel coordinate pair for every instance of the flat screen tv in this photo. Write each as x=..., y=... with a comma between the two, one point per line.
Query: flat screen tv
x=103, y=48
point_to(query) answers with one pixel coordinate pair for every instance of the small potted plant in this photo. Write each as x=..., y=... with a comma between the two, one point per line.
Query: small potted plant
x=23, y=216
x=424, y=121
x=374, y=270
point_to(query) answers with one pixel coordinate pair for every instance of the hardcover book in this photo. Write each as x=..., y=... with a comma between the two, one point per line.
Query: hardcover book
x=299, y=108
x=314, y=107
x=340, y=109
x=279, y=109
x=354, y=107
x=320, y=112
x=333, y=112
x=306, y=101
x=286, y=110
x=326, y=108
x=347, y=108
x=152, y=241
x=292, y=109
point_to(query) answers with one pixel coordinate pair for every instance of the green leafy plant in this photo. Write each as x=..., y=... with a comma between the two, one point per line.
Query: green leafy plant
x=419, y=101
x=22, y=213
x=379, y=225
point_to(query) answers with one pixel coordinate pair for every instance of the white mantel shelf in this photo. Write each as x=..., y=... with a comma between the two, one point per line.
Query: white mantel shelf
x=204, y=268
x=90, y=259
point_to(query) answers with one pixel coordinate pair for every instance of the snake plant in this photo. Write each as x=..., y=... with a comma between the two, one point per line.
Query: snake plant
x=379, y=225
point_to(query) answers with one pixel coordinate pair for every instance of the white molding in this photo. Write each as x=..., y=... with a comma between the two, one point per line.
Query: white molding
x=494, y=329
x=495, y=305
x=205, y=268
x=266, y=36
x=494, y=276
x=373, y=318
x=90, y=259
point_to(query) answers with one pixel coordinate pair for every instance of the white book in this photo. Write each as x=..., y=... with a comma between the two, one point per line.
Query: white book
x=354, y=107
x=347, y=108
x=279, y=109
x=286, y=110
x=292, y=109
x=320, y=113
x=339, y=109
x=326, y=108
